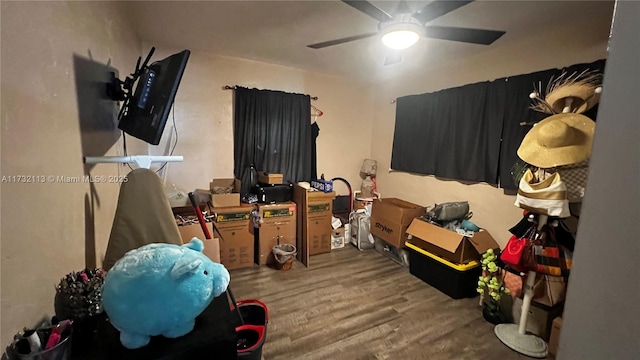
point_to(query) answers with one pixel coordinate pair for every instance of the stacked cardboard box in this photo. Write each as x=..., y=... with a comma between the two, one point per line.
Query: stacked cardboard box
x=539, y=319
x=233, y=228
x=278, y=227
x=313, y=222
x=269, y=178
x=554, y=338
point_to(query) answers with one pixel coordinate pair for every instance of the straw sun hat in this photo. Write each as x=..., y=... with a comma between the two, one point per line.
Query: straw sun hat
x=583, y=97
x=583, y=89
x=558, y=140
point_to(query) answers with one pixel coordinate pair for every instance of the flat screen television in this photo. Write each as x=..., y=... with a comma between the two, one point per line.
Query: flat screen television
x=144, y=114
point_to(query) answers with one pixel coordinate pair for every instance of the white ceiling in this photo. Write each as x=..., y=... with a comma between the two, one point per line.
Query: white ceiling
x=278, y=32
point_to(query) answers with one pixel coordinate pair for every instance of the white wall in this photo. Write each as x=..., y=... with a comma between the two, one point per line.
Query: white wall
x=53, y=54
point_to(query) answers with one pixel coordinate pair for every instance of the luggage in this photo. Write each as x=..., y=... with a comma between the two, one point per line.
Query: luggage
x=272, y=193
x=360, y=231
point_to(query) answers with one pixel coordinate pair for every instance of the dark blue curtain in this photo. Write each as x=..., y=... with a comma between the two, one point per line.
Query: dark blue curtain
x=471, y=133
x=272, y=130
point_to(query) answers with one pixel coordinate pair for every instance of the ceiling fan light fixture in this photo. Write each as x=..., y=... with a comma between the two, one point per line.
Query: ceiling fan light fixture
x=401, y=35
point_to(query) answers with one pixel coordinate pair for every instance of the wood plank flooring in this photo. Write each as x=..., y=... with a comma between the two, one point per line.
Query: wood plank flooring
x=361, y=305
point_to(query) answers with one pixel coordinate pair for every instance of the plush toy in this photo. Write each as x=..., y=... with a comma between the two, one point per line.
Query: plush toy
x=159, y=289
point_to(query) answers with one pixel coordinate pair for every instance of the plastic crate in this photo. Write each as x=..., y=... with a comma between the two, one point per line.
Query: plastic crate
x=456, y=280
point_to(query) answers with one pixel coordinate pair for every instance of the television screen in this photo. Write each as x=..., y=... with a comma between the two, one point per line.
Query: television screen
x=147, y=110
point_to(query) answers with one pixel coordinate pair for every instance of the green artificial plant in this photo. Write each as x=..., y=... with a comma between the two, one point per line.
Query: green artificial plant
x=491, y=281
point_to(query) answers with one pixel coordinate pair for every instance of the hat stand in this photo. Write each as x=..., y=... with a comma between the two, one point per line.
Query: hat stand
x=515, y=336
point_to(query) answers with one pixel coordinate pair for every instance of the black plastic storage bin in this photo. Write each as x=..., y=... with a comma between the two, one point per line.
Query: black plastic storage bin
x=253, y=332
x=456, y=280
x=273, y=193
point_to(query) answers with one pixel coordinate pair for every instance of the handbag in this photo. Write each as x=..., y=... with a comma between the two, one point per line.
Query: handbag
x=515, y=253
x=549, y=256
x=547, y=197
x=549, y=290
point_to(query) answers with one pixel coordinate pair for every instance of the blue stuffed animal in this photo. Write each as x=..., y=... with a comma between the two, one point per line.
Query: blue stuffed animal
x=159, y=289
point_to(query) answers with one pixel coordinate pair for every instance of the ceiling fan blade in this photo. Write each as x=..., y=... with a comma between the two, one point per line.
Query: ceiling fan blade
x=402, y=8
x=369, y=9
x=437, y=8
x=474, y=36
x=341, y=41
x=393, y=58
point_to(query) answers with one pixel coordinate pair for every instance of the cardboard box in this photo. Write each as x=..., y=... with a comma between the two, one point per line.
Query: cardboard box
x=224, y=200
x=539, y=319
x=233, y=228
x=313, y=226
x=186, y=210
x=338, y=238
x=202, y=196
x=554, y=338
x=449, y=244
x=322, y=185
x=268, y=178
x=318, y=227
x=278, y=227
x=391, y=217
x=211, y=246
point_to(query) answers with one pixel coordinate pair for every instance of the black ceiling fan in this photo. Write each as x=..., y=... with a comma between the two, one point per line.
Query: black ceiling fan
x=402, y=15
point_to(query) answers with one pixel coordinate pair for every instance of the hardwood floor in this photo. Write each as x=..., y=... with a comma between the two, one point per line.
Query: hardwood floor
x=360, y=305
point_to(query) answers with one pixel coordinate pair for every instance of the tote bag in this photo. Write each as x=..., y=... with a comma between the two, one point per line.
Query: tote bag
x=547, y=197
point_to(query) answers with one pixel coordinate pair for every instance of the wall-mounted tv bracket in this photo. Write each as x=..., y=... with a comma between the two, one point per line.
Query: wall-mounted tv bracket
x=119, y=90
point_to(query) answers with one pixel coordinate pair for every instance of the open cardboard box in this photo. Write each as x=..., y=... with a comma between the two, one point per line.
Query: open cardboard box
x=233, y=228
x=211, y=246
x=449, y=244
x=223, y=200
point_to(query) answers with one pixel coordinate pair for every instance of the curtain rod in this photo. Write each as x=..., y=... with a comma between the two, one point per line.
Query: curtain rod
x=227, y=87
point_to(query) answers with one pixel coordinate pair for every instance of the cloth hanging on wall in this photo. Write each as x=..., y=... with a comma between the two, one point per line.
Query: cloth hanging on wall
x=447, y=134
x=426, y=127
x=511, y=104
x=272, y=131
x=315, y=132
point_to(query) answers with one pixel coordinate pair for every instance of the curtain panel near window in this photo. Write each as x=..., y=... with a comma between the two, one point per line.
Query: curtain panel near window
x=446, y=134
x=471, y=133
x=272, y=130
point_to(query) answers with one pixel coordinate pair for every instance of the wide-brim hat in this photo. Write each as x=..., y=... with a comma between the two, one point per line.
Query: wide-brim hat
x=558, y=140
x=583, y=97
